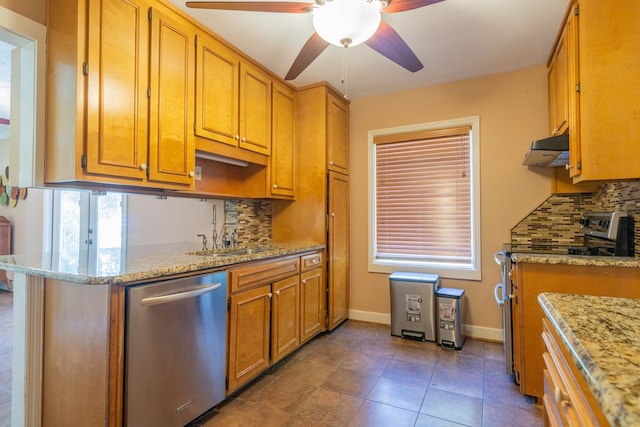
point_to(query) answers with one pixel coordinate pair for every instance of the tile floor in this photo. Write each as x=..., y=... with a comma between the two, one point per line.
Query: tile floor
x=359, y=375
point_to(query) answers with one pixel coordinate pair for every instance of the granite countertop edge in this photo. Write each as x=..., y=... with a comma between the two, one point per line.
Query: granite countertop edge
x=598, y=261
x=145, y=263
x=597, y=352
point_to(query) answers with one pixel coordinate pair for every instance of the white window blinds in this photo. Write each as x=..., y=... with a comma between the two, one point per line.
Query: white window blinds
x=423, y=196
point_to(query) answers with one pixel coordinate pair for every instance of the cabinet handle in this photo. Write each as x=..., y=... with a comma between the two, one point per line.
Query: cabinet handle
x=278, y=292
x=192, y=174
x=143, y=166
x=275, y=186
x=269, y=294
x=237, y=137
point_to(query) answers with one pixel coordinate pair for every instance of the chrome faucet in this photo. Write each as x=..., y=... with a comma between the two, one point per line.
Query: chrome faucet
x=204, y=241
x=214, y=234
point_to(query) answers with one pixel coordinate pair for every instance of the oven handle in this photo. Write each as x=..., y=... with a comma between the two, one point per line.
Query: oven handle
x=179, y=295
x=499, y=301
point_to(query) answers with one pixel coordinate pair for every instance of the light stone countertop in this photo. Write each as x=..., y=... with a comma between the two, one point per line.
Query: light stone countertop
x=602, y=335
x=141, y=263
x=598, y=261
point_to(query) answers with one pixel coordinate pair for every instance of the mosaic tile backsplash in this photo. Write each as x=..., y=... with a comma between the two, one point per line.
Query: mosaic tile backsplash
x=554, y=225
x=250, y=219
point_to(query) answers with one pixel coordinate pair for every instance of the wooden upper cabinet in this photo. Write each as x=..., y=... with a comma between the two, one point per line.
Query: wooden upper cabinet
x=118, y=45
x=337, y=134
x=282, y=163
x=233, y=99
x=119, y=87
x=558, y=90
x=171, y=139
x=217, y=83
x=255, y=109
x=604, y=94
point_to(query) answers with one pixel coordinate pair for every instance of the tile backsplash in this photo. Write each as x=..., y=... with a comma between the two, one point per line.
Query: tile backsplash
x=553, y=225
x=251, y=220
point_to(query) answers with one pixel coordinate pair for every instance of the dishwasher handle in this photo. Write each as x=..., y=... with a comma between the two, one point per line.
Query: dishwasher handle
x=164, y=299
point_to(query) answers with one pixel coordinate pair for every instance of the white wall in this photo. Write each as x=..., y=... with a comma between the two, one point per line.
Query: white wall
x=26, y=222
x=175, y=219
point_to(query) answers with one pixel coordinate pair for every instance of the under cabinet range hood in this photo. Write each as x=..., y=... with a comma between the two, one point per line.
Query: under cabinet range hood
x=548, y=152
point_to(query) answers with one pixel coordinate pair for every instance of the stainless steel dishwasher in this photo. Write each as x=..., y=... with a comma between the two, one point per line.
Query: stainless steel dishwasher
x=175, y=349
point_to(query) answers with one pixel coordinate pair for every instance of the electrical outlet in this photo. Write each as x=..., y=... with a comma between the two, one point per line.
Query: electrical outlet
x=198, y=173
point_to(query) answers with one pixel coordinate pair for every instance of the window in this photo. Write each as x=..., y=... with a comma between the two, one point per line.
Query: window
x=88, y=232
x=424, y=199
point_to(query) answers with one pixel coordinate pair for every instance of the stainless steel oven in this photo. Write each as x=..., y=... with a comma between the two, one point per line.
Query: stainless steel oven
x=503, y=292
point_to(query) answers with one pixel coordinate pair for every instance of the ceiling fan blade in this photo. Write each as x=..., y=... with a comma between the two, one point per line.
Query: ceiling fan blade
x=254, y=6
x=387, y=42
x=402, y=5
x=310, y=51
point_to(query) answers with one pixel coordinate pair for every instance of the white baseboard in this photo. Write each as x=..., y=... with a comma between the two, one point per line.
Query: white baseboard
x=471, y=331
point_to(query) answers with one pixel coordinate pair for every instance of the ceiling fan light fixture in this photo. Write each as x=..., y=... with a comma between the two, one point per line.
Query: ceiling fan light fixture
x=339, y=21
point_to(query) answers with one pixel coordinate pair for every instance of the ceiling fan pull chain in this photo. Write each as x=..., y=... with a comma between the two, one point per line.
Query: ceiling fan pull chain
x=345, y=70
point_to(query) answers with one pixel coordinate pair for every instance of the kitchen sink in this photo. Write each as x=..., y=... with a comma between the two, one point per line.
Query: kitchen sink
x=231, y=252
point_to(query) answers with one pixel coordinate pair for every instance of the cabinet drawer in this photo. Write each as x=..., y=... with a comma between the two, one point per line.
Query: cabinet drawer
x=311, y=261
x=262, y=272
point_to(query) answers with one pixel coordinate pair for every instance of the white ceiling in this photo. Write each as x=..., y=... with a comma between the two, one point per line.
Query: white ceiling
x=454, y=39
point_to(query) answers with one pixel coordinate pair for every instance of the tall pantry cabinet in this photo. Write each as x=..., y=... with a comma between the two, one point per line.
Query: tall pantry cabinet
x=320, y=212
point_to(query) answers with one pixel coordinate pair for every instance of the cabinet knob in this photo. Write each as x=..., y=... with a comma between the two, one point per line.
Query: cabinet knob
x=192, y=174
x=269, y=294
x=567, y=167
x=331, y=163
x=304, y=282
x=275, y=186
x=143, y=166
x=333, y=214
x=244, y=139
x=555, y=131
x=237, y=137
x=278, y=292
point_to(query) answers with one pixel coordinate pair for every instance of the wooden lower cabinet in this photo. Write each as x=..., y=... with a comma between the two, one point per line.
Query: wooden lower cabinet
x=271, y=315
x=249, y=333
x=312, y=304
x=530, y=280
x=285, y=317
x=567, y=399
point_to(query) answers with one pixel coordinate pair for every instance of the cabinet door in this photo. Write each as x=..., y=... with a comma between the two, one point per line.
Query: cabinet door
x=255, y=109
x=171, y=138
x=217, y=73
x=338, y=248
x=337, y=135
x=116, y=108
x=282, y=161
x=249, y=330
x=571, y=34
x=285, y=328
x=312, y=299
x=559, y=89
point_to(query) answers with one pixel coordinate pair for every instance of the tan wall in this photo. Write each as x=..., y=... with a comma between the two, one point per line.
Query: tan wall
x=513, y=112
x=32, y=9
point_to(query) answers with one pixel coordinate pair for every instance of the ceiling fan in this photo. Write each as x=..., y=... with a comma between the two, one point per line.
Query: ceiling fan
x=343, y=23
